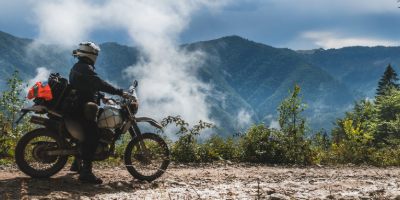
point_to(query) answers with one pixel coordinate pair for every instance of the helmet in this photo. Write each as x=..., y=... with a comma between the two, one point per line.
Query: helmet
x=87, y=49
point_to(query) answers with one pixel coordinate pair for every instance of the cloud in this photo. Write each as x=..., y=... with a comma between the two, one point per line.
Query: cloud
x=244, y=119
x=42, y=76
x=274, y=124
x=71, y=22
x=329, y=40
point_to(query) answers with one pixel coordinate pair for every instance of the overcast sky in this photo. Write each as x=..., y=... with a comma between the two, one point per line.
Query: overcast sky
x=300, y=24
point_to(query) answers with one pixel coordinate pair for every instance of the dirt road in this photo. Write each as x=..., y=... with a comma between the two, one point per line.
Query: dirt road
x=218, y=181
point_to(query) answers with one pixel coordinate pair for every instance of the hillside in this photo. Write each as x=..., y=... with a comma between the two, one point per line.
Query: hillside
x=359, y=67
x=262, y=75
x=249, y=79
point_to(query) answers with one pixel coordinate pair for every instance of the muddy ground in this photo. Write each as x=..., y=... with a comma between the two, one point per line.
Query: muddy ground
x=213, y=181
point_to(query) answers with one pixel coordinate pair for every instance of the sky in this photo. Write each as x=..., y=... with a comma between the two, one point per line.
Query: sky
x=298, y=25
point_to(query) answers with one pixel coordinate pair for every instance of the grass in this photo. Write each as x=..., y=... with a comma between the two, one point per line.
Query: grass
x=6, y=161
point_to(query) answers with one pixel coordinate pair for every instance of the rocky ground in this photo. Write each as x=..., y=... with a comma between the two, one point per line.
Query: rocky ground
x=213, y=181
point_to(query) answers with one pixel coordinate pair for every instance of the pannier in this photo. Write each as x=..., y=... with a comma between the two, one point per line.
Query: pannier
x=59, y=90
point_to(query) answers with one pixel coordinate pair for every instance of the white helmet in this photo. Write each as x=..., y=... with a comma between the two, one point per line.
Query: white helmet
x=87, y=49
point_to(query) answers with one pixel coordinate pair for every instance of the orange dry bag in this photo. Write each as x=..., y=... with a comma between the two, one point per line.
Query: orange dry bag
x=40, y=91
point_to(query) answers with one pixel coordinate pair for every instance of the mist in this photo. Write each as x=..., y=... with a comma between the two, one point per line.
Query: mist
x=41, y=76
x=167, y=83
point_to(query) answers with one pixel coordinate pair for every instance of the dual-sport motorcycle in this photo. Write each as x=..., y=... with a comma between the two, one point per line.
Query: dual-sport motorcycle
x=43, y=152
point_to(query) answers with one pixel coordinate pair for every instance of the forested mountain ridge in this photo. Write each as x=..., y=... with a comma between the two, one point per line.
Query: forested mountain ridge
x=262, y=75
x=359, y=67
x=249, y=79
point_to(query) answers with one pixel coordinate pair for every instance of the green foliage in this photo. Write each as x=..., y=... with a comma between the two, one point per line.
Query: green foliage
x=10, y=103
x=187, y=149
x=121, y=145
x=356, y=147
x=262, y=144
x=387, y=81
x=289, y=114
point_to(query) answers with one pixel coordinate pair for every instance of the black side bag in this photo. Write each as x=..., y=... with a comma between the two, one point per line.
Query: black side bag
x=59, y=89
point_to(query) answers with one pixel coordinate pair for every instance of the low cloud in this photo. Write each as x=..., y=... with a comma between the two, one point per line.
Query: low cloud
x=244, y=118
x=329, y=40
x=41, y=76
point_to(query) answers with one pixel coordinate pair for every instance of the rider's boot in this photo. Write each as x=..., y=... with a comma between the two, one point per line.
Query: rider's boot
x=75, y=166
x=87, y=175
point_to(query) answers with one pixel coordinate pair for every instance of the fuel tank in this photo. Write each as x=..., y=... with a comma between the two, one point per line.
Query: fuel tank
x=110, y=118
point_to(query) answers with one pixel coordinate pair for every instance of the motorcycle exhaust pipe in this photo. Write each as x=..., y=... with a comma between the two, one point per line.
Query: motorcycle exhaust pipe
x=38, y=120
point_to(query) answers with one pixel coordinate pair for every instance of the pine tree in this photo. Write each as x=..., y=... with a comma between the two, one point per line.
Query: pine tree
x=388, y=79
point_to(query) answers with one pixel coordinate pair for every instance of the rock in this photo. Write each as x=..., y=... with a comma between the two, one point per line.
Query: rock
x=58, y=197
x=298, y=196
x=330, y=197
x=182, y=183
x=365, y=197
x=85, y=198
x=119, y=184
x=391, y=184
x=370, y=182
x=277, y=196
x=395, y=195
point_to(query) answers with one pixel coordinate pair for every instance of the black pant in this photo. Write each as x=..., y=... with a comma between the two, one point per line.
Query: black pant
x=92, y=139
x=91, y=133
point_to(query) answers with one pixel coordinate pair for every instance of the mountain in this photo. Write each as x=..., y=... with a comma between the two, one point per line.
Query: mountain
x=262, y=75
x=249, y=79
x=359, y=67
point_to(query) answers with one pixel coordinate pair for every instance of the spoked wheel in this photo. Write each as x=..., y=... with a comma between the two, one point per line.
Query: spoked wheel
x=147, y=168
x=30, y=156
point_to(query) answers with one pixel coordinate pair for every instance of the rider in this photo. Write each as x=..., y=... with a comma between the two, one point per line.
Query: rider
x=88, y=84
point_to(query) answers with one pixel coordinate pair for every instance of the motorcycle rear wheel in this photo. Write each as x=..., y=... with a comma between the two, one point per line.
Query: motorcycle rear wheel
x=147, y=169
x=31, y=161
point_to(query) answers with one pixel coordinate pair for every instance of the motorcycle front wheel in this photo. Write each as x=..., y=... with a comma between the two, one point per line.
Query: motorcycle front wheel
x=154, y=165
x=30, y=157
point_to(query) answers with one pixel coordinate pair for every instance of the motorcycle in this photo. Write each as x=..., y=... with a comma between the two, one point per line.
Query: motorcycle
x=43, y=152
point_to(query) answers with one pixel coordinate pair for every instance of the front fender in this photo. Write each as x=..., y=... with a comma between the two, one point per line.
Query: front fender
x=149, y=120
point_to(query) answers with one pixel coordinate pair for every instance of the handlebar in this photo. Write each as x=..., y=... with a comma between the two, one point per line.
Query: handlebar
x=126, y=97
x=122, y=99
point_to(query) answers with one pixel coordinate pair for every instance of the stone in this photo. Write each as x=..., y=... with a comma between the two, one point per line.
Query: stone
x=298, y=196
x=182, y=183
x=277, y=196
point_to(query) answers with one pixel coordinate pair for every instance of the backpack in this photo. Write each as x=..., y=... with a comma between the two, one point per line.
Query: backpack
x=59, y=90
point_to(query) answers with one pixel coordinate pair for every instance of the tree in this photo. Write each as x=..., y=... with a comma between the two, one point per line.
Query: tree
x=295, y=128
x=387, y=110
x=388, y=80
x=289, y=110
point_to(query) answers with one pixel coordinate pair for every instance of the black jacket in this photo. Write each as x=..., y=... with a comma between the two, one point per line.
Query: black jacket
x=83, y=78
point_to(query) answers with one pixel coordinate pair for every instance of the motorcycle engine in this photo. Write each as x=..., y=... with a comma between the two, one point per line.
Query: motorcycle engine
x=106, y=136
x=102, y=152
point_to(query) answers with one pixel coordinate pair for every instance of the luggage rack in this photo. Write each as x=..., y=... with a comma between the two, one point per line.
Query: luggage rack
x=38, y=109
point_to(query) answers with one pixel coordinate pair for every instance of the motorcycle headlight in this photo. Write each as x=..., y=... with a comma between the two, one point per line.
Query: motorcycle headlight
x=134, y=108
